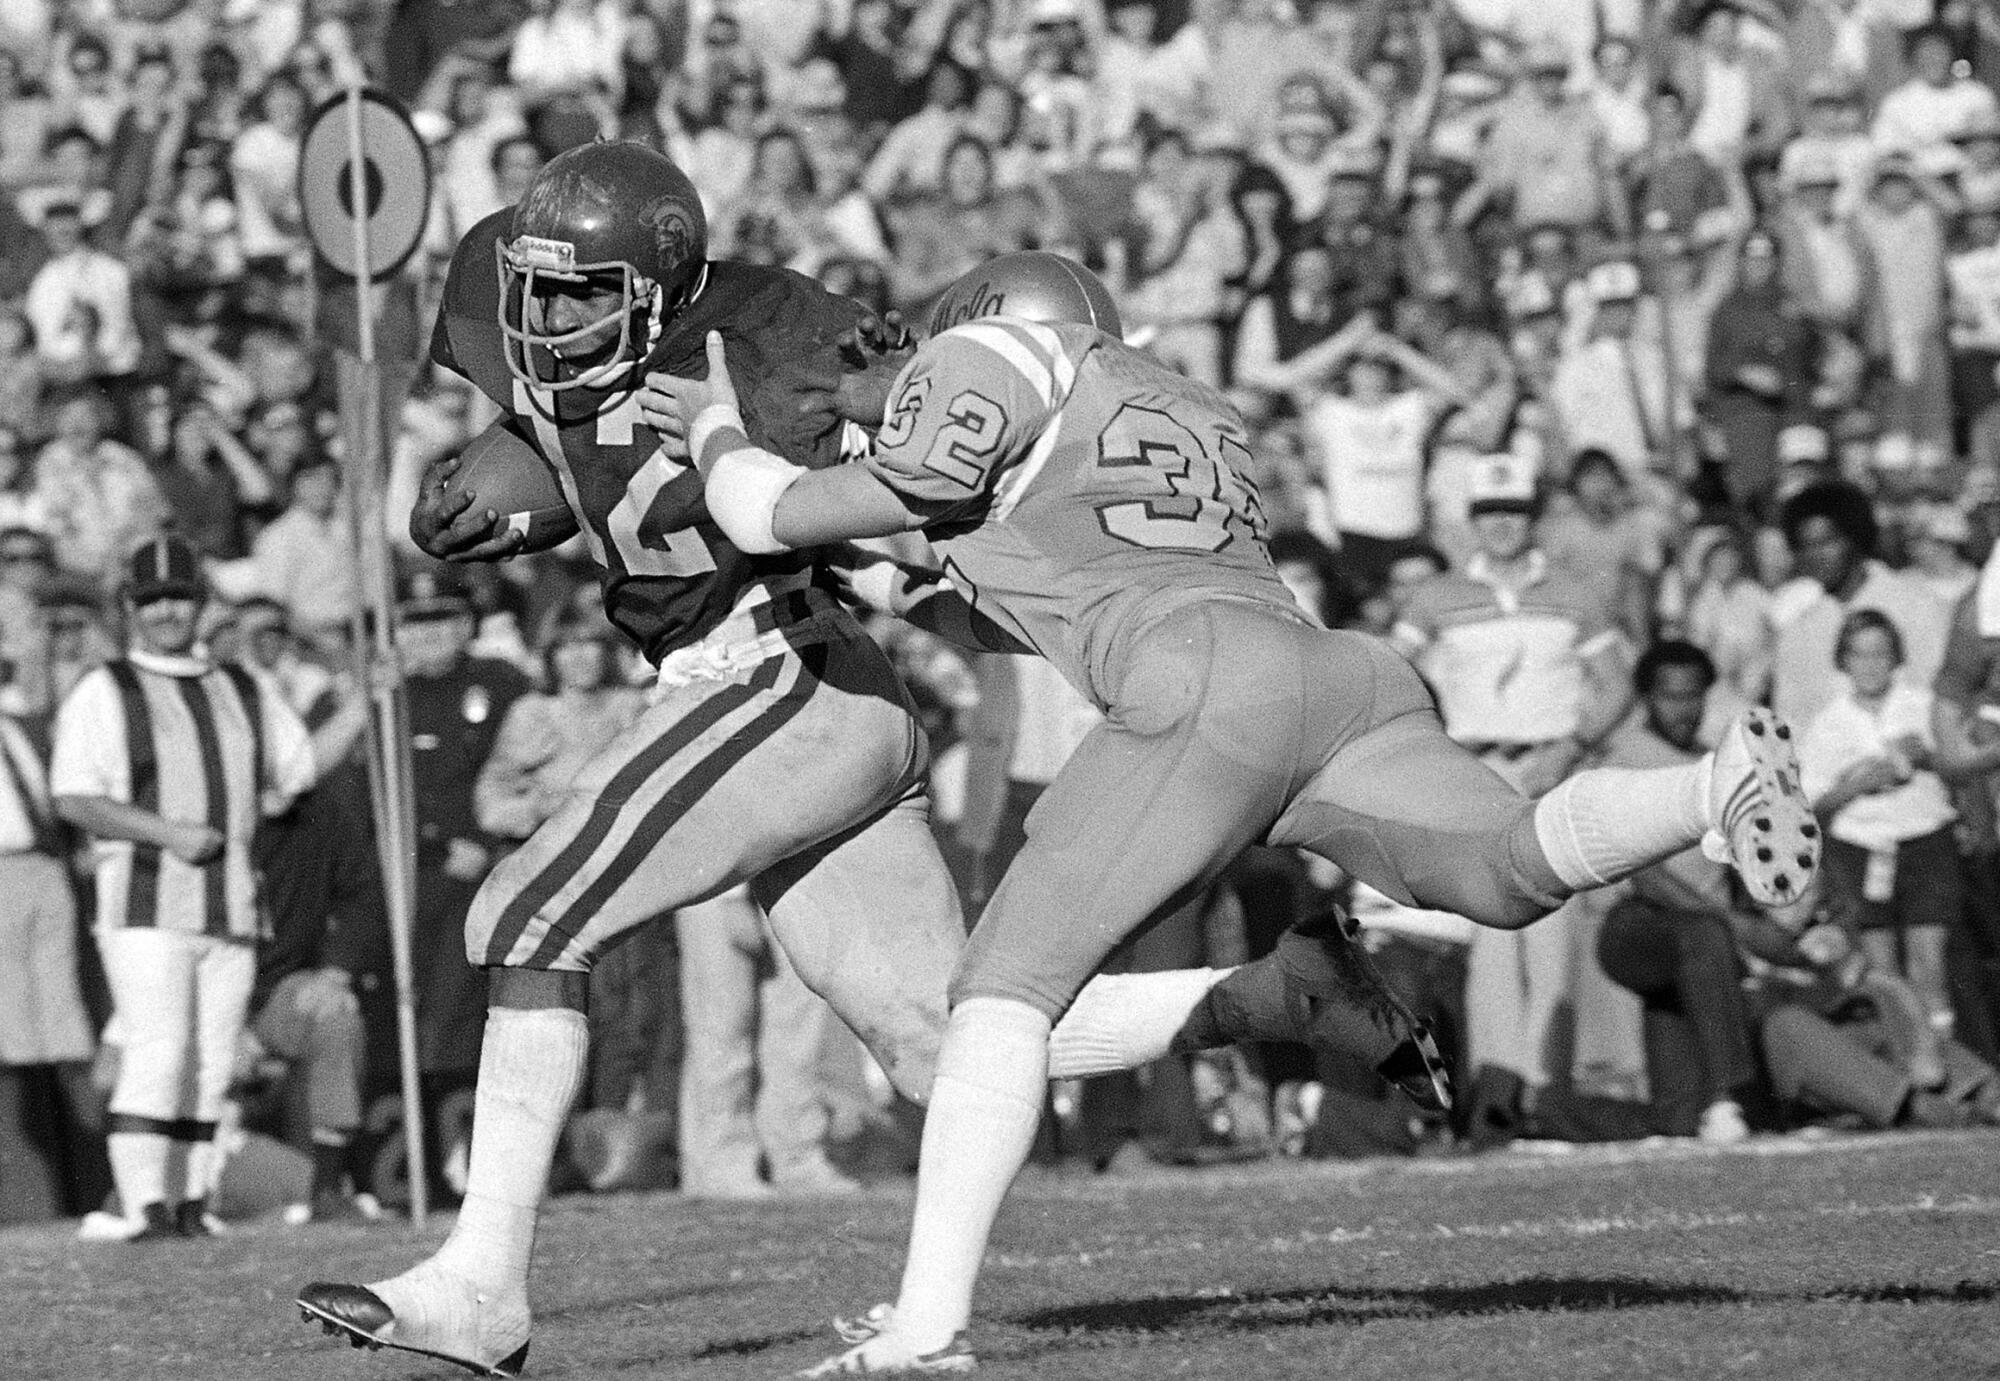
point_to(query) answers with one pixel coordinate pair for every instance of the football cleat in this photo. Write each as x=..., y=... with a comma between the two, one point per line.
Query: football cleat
x=1339, y=1002
x=883, y=1354
x=1759, y=819
x=859, y=1328
x=469, y=1330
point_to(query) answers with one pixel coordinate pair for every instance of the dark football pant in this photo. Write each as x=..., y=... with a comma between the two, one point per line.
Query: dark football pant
x=1234, y=724
x=801, y=773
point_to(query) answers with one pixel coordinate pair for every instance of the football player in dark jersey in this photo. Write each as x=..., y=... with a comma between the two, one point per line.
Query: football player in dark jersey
x=779, y=750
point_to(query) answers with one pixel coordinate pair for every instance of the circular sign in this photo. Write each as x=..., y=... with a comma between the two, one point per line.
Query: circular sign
x=395, y=198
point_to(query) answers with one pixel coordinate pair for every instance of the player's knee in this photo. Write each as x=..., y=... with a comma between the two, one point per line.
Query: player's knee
x=1049, y=997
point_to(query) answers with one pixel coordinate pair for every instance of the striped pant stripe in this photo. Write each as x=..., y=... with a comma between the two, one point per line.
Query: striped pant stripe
x=683, y=793
x=519, y=913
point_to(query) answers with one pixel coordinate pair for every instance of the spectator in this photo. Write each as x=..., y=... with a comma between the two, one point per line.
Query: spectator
x=98, y=496
x=1528, y=672
x=1546, y=158
x=1370, y=444
x=1831, y=530
x=1904, y=232
x=1734, y=90
x=168, y=763
x=1672, y=936
x=457, y=705
x=1761, y=359
x=1921, y=117
x=1727, y=614
x=1613, y=389
x=1867, y=761
x=263, y=164
x=80, y=304
x=1595, y=530
x=1842, y=1037
x=305, y=559
x=911, y=159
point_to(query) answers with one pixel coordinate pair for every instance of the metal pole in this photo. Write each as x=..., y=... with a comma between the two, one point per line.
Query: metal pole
x=389, y=737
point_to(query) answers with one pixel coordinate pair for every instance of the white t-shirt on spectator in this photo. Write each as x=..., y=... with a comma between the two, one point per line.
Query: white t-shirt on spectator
x=85, y=278
x=1919, y=119
x=1845, y=733
x=1372, y=462
x=568, y=52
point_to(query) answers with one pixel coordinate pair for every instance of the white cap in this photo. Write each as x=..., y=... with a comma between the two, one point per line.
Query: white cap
x=1502, y=481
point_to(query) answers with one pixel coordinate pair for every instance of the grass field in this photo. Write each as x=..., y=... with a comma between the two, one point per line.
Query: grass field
x=1870, y=1257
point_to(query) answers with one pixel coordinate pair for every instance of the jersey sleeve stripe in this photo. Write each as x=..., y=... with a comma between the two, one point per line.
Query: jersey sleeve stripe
x=1015, y=485
x=1010, y=347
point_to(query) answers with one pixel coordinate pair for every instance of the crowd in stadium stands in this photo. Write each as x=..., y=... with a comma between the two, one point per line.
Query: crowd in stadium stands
x=1623, y=362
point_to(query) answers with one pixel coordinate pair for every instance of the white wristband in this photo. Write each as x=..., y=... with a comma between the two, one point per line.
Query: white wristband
x=743, y=488
x=706, y=424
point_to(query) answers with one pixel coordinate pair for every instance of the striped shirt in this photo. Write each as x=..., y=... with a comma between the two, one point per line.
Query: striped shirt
x=1506, y=661
x=190, y=742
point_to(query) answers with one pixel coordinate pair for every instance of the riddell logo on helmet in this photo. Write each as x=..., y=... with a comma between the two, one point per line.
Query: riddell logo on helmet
x=985, y=301
x=535, y=252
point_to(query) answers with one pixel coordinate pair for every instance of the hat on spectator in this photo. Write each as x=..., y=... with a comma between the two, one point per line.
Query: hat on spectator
x=1616, y=280
x=1545, y=56
x=1893, y=165
x=1530, y=296
x=1982, y=124
x=1803, y=444
x=432, y=126
x=429, y=592
x=1940, y=522
x=1471, y=84
x=1502, y=483
x=26, y=544
x=1352, y=161
x=167, y=567
x=817, y=86
x=1807, y=165
x=1055, y=12
x=1832, y=87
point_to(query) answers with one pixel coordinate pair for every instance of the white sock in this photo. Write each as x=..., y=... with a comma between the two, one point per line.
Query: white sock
x=138, y=1168
x=1607, y=823
x=199, y=1176
x=985, y=1105
x=1122, y=1021
x=531, y=1065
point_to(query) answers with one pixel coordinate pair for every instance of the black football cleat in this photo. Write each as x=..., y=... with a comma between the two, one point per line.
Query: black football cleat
x=365, y=1320
x=1420, y=1070
x=1340, y=1003
x=156, y=1224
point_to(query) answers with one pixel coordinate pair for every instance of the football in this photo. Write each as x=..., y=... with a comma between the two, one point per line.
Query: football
x=504, y=473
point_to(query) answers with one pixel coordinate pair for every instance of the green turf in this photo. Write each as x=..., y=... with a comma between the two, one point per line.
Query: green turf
x=1876, y=1258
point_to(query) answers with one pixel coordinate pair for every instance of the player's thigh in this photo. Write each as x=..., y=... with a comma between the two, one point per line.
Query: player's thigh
x=870, y=920
x=713, y=785
x=1153, y=804
x=1416, y=816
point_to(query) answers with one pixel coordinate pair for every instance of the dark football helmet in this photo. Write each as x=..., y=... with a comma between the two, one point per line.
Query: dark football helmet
x=1033, y=284
x=615, y=215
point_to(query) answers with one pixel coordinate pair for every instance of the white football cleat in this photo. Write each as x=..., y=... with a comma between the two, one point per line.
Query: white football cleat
x=430, y=1311
x=1759, y=819
x=877, y=1352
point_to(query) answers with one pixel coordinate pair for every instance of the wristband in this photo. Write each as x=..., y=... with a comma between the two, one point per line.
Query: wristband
x=706, y=424
x=743, y=488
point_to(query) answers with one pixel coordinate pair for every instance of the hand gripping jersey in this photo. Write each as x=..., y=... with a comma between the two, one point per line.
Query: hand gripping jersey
x=1075, y=488
x=667, y=572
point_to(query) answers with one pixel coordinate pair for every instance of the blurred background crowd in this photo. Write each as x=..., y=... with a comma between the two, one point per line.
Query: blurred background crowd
x=1625, y=362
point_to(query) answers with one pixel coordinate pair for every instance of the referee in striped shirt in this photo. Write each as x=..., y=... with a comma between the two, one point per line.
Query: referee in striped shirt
x=168, y=761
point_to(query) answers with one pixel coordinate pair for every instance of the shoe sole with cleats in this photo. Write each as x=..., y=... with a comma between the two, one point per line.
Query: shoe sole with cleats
x=1767, y=830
